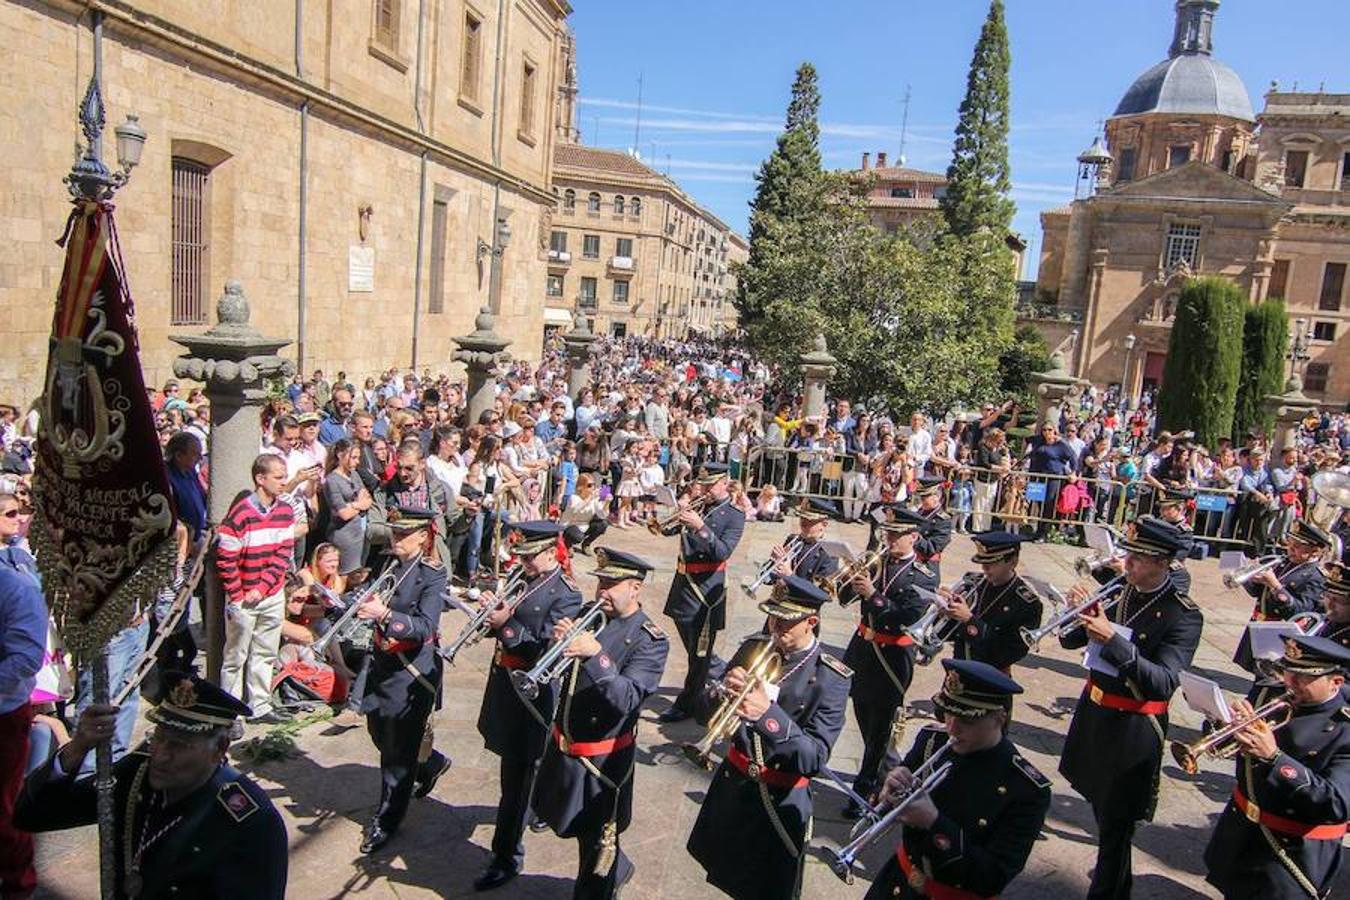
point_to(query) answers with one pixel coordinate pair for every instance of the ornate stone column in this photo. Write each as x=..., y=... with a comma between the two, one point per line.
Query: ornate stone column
x=1289, y=409
x=482, y=351
x=235, y=361
x=1054, y=386
x=818, y=367
x=578, y=343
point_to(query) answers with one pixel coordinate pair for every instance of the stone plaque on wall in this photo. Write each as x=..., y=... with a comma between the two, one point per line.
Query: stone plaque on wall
x=360, y=269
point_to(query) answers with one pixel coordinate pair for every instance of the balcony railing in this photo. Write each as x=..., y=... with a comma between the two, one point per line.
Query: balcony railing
x=621, y=265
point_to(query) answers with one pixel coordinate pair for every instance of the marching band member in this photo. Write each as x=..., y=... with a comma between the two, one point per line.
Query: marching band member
x=991, y=613
x=404, y=680
x=1294, y=585
x=881, y=653
x=973, y=833
x=585, y=784
x=751, y=830
x=512, y=727
x=1279, y=837
x=937, y=528
x=810, y=561
x=1336, y=596
x=1113, y=752
x=1172, y=506
x=697, y=598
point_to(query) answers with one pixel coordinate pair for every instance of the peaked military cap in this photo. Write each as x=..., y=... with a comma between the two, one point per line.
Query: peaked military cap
x=615, y=565
x=710, y=472
x=794, y=598
x=1337, y=581
x=190, y=703
x=1175, y=496
x=534, y=537
x=1309, y=655
x=995, y=546
x=930, y=484
x=902, y=520
x=814, y=509
x=1306, y=532
x=410, y=519
x=972, y=689
x=1151, y=536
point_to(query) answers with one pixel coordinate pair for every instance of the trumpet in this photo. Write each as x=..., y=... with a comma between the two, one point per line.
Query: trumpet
x=385, y=586
x=1240, y=577
x=659, y=526
x=509, y=594
x=928, y=777
x=764, y=665
x=1222, y=744
x=1087, y=566
x=553, y=662
x=933, y=628
x=1108, y=595
x=791, y=546
x=863, y=565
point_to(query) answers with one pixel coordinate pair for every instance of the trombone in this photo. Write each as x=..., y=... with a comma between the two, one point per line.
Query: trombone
x=863, y=565
x=928, y=776
x=659, y=526
x=384, y=586
x=791, y=546
x=509, y=594
x=1240, y=577
x=554, y=662
x=763, y=665
x=1108, y=595
x=1222, y=744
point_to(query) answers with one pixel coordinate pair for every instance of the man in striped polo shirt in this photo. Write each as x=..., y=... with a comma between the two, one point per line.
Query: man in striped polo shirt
x=253, y=556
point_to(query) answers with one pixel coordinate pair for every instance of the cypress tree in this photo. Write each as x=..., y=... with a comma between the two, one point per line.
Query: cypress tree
x=1265, y=339
x=788, y=192
x=978, y=179
x=1204, y=357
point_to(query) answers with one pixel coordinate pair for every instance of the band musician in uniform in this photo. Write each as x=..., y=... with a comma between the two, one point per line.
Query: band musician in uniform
x=936, y=533
x=1279, y=837
x=186, y=824
x=697, y=598
x=810, y=560
x=1295, y=585
x=991, y=608
x=751, y=831
x=972, y=834
x=1113, y=752
x=1336, y=596
x=1173, y=505
x=514, y=728
x=585, y=784
x=881, y=653
x=404, y=681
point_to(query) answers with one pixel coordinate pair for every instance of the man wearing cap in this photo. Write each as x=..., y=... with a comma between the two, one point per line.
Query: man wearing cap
x=1295, y=585
x=989, y=610
x=936, y=533
x=514, y=728
x=405, y=672
x=1172, y=503
x=1280, y=834
x=186, y=824
x=698, y=592
x=585, y=784
x=810, y=560
x=972, y=834
x=881, y=652
x=1113, y=752
x=1336, y=597
x=751, y=830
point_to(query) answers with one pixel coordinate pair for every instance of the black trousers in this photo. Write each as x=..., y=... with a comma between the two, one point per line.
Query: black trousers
x=398, y=739
x=573, y=534
x=697, y=674
x=1113, y=877
x=517, y=777
x=874, y=721
x=593, y=885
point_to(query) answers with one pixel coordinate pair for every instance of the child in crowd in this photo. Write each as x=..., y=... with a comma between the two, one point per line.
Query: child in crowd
x=963, y=488
x=565, y=484
x=629, y=489
x=769, y=507
x=741, y=500
x=650, y=477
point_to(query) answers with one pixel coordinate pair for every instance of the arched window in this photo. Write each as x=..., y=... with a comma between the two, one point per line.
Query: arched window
x=569, y=200
x=636, y=206
x=618, y=204
x=593, y=202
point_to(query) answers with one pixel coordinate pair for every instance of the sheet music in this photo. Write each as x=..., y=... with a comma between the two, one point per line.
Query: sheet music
x=664, y=495
x=839, y=550
x=1092, y=656
x=1204, y=696
x=1231, y=560
x=1266, y=639
x=1098, y=537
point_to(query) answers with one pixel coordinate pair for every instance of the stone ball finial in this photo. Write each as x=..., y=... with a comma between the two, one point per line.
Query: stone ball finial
x=232, y=307
x=1057, y=361
x=1293, y=384
x=818, y=345
x=484, y=320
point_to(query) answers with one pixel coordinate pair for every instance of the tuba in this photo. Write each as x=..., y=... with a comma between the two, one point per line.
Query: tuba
x=763, y=664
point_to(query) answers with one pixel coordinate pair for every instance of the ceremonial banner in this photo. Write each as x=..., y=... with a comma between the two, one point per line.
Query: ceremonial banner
x=103, y=522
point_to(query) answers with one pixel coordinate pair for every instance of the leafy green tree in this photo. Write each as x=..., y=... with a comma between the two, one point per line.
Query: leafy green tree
x=1265, y=340
x=1029, y=353
x=1204, y=358
x=978, y=179
x=789, y=191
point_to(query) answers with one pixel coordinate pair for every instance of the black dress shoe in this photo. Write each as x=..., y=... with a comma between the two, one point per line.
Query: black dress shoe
x=538, y=826
x=430, y=773
x=272, y=717
x=494, y=876
x=374, y=838
x=674, y=714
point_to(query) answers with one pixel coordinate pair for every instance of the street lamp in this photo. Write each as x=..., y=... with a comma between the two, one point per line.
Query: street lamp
x=89, y=178
x=1125, y=398
x=1299, y=345
x=501, y=238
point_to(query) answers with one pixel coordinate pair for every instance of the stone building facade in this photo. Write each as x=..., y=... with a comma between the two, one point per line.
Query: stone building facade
x=633, y=252
x=1197, y=184
x=392, y=134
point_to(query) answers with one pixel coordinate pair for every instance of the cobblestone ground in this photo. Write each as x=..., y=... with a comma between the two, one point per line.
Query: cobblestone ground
x=328, y=790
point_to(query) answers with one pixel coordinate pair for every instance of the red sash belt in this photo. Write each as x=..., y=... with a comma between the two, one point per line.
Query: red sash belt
x=1125, y=704
x=1287, y=826
x=700, y=568
x=881, y=637
x=755, y=772
x=592, y=748
x=930, y=887
x=384, y=645
x=1258, y=616
x=511, y=661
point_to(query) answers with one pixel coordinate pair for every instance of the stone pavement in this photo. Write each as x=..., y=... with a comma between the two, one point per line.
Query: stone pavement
x=327, y=791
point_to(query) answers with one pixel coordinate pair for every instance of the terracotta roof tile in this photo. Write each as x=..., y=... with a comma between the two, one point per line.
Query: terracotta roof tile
x=899, y=173
x=582, y=157
x=1059, y=210
x=902, y=202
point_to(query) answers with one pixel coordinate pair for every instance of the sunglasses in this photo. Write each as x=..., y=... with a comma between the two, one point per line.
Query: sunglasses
x=11, y=513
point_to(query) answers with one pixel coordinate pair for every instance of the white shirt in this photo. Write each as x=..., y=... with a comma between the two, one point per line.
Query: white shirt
x=920, y=448
x=451, y=471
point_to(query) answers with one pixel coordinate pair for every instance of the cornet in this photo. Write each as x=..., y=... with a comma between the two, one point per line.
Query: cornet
x=659, y=526
x=933, y=628
x=385, y=587
x=764, y=666
x=1222, y=742
x=509, y=594
x=1240, y=577
x=791, y=546
x=554, y=662
x=863, y=565
x=1087, y=566
x=1108, y=595
x=928, y=776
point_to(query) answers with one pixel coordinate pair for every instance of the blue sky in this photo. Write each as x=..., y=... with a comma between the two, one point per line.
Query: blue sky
x=716, y=77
